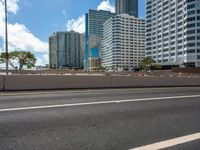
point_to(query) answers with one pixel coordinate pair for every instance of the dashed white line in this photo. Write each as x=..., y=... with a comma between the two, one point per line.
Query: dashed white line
x=170, y=143
x=97, y=103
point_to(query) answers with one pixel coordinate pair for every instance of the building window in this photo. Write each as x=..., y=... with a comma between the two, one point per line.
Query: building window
x=191, y=44
x=191, y=38
x=172, y=54
x=191, y=32
x=165, y=60
x=179, y=53
x=190, y=51
x=191, y=25
x=191, y=6
x=190, y=19
x=191, y=12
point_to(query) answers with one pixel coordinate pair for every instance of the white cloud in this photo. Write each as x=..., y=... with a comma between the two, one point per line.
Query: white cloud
x=19, y=37
x=77, y=25
x=105, y=5
x=13, y=6
x=42, y=60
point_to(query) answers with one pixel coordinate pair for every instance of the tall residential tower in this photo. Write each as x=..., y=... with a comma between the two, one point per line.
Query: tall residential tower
x=123, y=42
x=129, y=7
x=66, y=50
x=173, y=32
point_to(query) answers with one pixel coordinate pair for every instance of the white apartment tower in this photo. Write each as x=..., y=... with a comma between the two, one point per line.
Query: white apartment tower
x=123, y=42
x=173, y=32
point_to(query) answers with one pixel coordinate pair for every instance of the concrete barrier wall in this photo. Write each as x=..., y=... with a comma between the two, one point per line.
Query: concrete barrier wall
x=154, y=81
x=1, y=82
x=37, y=82
x=41, y=82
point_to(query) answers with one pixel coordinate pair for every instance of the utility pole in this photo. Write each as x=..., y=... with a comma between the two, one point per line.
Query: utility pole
x=6, y=35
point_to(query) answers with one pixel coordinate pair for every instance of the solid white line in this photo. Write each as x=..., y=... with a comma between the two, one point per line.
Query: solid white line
x=170, y=143
x=97, y=103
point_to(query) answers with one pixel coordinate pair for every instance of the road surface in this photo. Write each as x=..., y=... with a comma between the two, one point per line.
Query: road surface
x=108, y=119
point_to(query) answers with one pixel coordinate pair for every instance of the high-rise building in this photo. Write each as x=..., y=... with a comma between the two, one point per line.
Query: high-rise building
x=123, y=42
x=94, y=29
x=129, y=7
x=173, y=32
x=66, y=50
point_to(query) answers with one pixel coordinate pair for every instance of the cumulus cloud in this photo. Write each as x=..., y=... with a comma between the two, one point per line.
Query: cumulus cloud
x=77, y=25
x=21, y=38
x=105, y=5
x=18, y=34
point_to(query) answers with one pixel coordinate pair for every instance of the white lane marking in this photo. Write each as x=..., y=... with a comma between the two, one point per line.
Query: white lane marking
x=170, y=143
x=97, y=103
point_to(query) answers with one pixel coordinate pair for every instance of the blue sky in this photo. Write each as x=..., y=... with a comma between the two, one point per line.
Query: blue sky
x=32, y=21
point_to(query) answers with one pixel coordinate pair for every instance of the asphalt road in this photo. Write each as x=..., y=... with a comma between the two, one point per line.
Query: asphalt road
x=110, y=119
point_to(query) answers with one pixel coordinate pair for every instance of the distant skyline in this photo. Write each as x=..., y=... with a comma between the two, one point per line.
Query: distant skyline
x=31, y=22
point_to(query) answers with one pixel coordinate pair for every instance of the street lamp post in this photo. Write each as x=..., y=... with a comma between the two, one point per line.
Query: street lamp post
x=6, y=35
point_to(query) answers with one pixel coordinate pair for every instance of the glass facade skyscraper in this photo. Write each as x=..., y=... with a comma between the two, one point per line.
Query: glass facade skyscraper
x=129, y=7
x=93, y=34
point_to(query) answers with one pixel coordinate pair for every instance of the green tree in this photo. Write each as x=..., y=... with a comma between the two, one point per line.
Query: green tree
x=10, y=58
x=23, y=58
x=146, y=63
